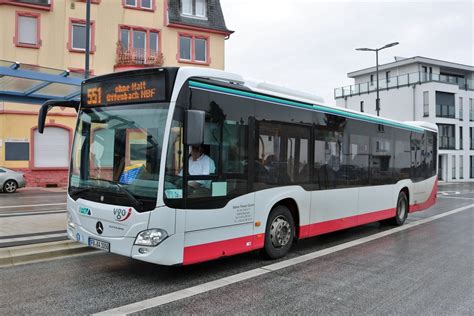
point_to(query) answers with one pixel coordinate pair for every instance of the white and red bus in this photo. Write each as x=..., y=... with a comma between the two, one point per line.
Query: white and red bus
x=285, y=166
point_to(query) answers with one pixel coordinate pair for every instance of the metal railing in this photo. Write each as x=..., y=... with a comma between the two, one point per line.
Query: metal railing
x=135, y=56
x=400, y=81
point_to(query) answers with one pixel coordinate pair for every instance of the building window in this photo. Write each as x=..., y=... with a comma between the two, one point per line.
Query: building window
x=195, y=8
x=27, y=33
x=139, y=46
x=461, y=167
x=461, y=109
x=445, y=104
x=387, y=76
x=446, y=136
x=426, y=103
x=471, y=138
x=460, y=138
x=17, y=151
x=371, y=80
x=148, y=5
x=471, y=171
x=362, y=106
x=77, y=36
x=471, y=110
x=193, y=49
x=35, y=4
x=453, y=175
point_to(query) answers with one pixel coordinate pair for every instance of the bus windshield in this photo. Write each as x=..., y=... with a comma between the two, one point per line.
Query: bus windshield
x=116, y=154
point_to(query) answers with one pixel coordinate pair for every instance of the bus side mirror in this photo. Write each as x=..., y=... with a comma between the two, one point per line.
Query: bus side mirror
x=42, y=117
x=194, y=127
x=48, y=105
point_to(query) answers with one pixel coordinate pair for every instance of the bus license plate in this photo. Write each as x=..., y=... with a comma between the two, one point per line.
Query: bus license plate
x=99, y=244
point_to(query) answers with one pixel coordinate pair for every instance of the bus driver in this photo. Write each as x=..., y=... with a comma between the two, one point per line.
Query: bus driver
x=200, y=164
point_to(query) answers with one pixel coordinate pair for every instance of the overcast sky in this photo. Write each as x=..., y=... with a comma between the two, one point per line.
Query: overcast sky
x=310, y=45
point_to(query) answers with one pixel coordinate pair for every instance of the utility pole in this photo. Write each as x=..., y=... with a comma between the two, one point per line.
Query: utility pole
x=376, y=50
x=88, y=39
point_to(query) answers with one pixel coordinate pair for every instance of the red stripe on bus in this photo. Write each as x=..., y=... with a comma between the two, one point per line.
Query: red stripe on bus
x=429, y=202
x=214, y=250
x=345, y=222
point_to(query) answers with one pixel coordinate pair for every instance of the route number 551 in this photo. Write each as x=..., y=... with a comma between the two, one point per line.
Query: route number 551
x=94, y=96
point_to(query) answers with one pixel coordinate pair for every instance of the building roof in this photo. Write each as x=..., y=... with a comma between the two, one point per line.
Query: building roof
x=412, y=60
x=215, y=18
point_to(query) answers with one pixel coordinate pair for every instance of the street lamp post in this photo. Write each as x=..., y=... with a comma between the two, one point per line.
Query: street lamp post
x=88, y=40
x=376, y=50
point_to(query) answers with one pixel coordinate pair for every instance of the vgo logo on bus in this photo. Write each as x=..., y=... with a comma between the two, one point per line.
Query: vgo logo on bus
x=122, y=214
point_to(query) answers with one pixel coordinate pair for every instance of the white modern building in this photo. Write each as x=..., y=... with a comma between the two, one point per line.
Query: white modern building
x=423, y=89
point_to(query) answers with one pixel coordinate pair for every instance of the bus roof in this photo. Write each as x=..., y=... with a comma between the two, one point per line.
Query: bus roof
x=271, y=93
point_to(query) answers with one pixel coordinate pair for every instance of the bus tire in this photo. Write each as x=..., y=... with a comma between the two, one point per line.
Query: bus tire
x=279, y=233
x=401, y=210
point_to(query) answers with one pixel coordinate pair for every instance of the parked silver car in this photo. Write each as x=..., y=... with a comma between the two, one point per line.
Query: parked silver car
x=11, y=180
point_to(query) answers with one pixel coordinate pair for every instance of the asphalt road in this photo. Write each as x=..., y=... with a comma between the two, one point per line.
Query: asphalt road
x=427, y=269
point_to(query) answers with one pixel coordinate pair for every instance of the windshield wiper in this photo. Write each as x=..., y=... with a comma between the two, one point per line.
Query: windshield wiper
x=138, y=203
x=76, y=190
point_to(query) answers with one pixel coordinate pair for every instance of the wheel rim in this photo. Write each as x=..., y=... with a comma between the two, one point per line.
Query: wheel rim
x=10, y=186
x=280, y=232
x=402, y=209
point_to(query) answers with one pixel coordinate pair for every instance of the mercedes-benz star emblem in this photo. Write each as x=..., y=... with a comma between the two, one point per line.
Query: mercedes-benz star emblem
x=99, y=228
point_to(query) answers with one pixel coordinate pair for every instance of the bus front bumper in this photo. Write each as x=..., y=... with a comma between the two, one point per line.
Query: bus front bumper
x=168, y=252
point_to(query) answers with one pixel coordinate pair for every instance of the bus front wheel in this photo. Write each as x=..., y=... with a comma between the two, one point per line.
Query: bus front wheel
x=401, y=210
x=279, y=233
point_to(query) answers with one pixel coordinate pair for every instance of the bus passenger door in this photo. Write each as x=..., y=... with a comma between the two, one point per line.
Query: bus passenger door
x=338, y=169
x=212, y=185
x=282, y=168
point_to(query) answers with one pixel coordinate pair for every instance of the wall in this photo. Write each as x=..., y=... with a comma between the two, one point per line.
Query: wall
x=107, y=15
x=16, y=123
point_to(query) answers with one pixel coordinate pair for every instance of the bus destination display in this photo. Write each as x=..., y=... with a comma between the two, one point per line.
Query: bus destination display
x=135, y=89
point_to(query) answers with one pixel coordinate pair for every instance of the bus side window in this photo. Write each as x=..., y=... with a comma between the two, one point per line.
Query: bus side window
x=381, y=152
x=402, y=154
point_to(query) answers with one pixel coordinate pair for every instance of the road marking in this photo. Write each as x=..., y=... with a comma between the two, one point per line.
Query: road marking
x=32, y=205
x=40, y=196
x=455, y=197
x=45, y=236
x=212, y=285
x=33, y=234
x=32, y=213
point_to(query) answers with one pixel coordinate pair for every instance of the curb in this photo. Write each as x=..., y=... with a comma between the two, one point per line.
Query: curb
x=13, y=256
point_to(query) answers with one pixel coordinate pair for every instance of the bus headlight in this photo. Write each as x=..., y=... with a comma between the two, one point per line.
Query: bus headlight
x=151, y=237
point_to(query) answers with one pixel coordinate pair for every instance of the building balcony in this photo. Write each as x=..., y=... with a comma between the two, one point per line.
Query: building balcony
x=129, y=58
x=401, y=81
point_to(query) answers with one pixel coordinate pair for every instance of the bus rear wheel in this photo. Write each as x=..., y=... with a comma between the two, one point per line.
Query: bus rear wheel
x=279, y=233
x=401, y=210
